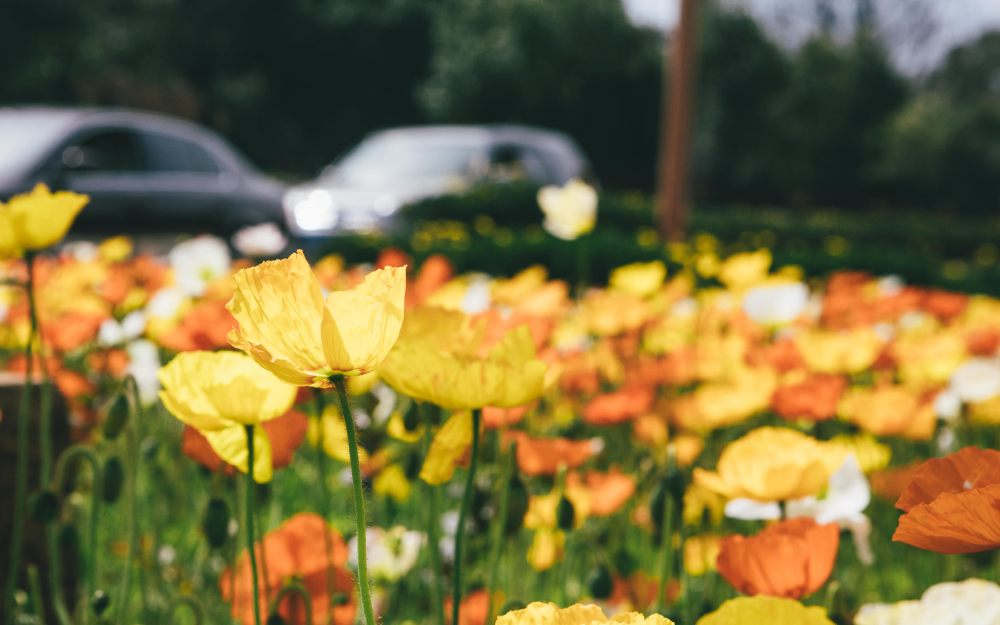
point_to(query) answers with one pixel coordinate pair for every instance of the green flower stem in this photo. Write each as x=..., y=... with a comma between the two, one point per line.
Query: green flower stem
x=667, y=562
x=251, y=549
x=35, y=587
x=66, y=459
x=359, y=499
x=293, y=588
x=433, y=538
x=456, y=592
x=499, y=524
x=131, y=390
x=21, y=471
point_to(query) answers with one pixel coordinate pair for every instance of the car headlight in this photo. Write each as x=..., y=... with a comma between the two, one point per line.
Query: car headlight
x=313, y=210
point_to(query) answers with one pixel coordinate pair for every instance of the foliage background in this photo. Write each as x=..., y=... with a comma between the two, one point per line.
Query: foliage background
x=298, y=82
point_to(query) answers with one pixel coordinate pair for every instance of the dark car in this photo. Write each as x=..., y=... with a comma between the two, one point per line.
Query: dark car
x=143, y=172
x=392, y=168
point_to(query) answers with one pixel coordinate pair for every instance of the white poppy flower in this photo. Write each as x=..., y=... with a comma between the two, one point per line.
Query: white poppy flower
x=113, y=332
x=570, y=210
x=144, y=365
x=264, y=239
x=847, y=496
x=752, y=510
x=197, y=262
x=391, y=553
x=977, y=379
x=775, y=304
x=971, y=602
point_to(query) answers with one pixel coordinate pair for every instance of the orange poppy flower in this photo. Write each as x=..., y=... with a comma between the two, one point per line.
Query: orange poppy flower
x=680, y=367
x=297, y=548
x=983, y=341
x=71, y=330
x=392, y=257
x=639, y=591
x=782, y=355
x=111, y=361
x=205, y=326
x=607, y=492
x=890, y=483
x=285, y=433
x=494, y=417
x=71, y=384
x=544, y=456
x=579, y=375
x=945, y=304
x=790, y=558
x=814, y=398
x=435, y=271
x=619, y=406
x=952, y=504
x=472, y=609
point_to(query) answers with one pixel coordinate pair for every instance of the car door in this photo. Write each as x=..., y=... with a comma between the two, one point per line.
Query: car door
x=190, y=189
x=106, y=163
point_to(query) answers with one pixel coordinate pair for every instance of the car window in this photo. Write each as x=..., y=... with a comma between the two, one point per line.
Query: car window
x=514, y=161
x=394, y=159
x=168, y=153
x=112, y=150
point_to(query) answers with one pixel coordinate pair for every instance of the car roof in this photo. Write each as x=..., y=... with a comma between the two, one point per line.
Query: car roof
x=488, y=133
x=66, y=119
x=75, y=115
x=570, y=158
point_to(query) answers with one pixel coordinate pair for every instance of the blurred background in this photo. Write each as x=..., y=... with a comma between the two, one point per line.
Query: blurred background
x=841, y=133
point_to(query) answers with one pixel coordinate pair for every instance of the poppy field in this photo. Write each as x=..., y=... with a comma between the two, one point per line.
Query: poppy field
x=199, y=438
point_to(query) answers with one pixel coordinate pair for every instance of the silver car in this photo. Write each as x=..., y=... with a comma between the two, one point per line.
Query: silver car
x=144, y=173
x=389, y=169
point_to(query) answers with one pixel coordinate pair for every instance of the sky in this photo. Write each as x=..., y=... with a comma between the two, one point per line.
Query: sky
x=918, y=33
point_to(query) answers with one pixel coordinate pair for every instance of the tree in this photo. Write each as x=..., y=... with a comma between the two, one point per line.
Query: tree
x=574, y=65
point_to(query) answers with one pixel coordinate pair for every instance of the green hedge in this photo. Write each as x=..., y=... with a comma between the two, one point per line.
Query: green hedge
x=497, y=229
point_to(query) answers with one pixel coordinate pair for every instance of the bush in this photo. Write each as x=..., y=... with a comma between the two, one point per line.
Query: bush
x=497, y=229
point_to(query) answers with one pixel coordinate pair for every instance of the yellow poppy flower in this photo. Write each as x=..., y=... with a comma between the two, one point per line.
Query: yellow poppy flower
x=538, y=613
x=890, y=410
x=334, y=432
x=115, y=249
x=700, y=553
x=220, y=394
x=698, y=500
x=287, y=326
x=927, y=359
x=439, y=358
x=547, y=548
x=396, y=428
x=763, y=610
x=37, y=219
x=851, y=351
x=741, y=271
x=871, y=454
x=772, y=464
x=391, y=482
x=511, y=291
x=447, y=447
x=640, y=279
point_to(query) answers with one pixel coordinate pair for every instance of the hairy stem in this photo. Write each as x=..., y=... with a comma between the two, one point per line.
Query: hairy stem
x=359, y=499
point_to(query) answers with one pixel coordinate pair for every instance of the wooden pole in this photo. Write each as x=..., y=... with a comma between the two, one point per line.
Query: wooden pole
x=675, y=134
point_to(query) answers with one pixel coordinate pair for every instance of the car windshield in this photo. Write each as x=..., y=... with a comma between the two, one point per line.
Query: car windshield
x=394, y=158
x=26, y=136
